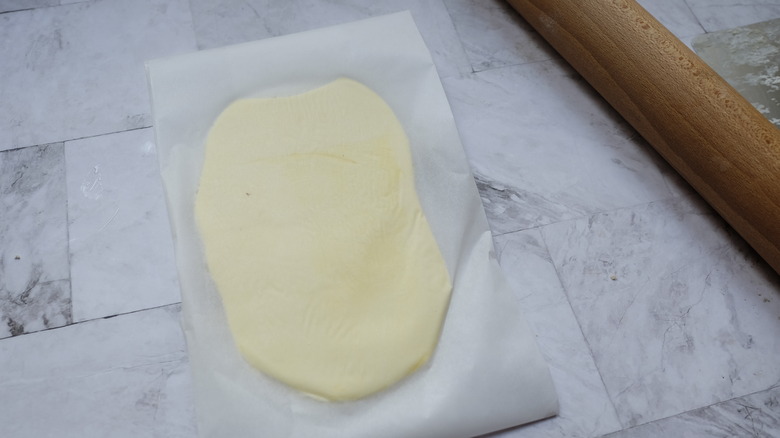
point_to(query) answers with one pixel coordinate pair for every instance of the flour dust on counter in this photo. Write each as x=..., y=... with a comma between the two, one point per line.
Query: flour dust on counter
x=121, y=254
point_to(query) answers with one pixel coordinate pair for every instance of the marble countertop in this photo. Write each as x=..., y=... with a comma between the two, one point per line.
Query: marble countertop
x=655, y=318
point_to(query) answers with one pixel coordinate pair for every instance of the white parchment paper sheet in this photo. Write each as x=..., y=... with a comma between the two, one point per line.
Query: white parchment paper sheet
x=486, y=374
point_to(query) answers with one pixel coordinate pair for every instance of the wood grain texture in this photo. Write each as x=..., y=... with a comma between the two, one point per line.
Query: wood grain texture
x=708, y=132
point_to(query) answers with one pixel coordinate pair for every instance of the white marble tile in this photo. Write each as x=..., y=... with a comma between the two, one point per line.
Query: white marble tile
x=121, y=252
x=77, y=70
x=223, y=22
x=34, y=286
x=678, y=312
x=532, y=277
x=725, y=14
x=545, y=147
x=677, y=185
x=126, y=376
x=756, y=415
x=494, y=35
x=675, y=15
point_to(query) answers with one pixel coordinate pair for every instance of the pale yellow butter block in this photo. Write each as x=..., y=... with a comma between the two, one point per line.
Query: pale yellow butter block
x=328, y=271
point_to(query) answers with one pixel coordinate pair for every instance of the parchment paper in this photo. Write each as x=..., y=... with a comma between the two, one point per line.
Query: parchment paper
x=486, y=374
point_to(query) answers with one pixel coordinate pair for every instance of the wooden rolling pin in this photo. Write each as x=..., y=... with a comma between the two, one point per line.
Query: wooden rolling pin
x=708, y=132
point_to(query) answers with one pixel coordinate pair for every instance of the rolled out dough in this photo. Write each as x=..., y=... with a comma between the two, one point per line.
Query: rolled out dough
x=330, y=277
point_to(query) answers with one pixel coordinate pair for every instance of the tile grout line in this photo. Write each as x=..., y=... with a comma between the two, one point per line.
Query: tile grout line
x=579, y=325
x=20, y=10
x=474, y=70
x=696, y=17
x=670, y=197
x=461, y=43
x=520, y=64
x=14, y=149
x=43, y=7
x=773, y=386
x=108, y=133
x=67, y=231
x=162, y=306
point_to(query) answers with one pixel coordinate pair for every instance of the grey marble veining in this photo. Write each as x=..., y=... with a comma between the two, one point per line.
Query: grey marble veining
x=544, y=147
x=126, y=376
x=494, y=35
x=655, y=319
x=677, y=310
x=222, y=22
x=756, y=415
x=121, y=252
x=534, y=281
x=76, y=70
x=34, y=277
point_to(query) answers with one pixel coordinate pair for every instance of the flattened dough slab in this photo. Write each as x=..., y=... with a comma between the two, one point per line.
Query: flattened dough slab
x=331, y=279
